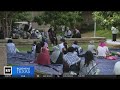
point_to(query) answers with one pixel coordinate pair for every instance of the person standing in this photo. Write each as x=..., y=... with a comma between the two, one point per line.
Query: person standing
x=52, y=36
x=114, y=33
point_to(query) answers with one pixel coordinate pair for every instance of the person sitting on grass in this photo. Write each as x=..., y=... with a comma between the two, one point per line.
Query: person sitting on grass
x=56, y=56
x=88, y=66
x=102, y=50
x=43, y=58
x=77, y=48
x=61, y=45
x=11, y=48
x=45, y=43
x=91, y=47
x=64, y=50
x=34, y=48
x=72, y=61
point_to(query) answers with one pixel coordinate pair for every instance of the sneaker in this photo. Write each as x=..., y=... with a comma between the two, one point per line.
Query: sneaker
x=72, y=73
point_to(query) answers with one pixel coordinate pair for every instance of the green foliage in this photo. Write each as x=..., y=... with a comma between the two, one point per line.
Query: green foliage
x=59, y=18
x=107, y=18
x=16, y=16
x=22, y=16
x=7, y=17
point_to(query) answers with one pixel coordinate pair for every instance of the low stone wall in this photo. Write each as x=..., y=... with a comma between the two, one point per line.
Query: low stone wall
x=69, y=40
x=86, y=39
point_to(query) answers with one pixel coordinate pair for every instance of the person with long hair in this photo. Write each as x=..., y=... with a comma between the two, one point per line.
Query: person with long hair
x=88, y=66
x=68, y=33
x=64, y=50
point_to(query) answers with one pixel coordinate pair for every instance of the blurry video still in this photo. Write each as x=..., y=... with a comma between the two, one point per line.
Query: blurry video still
x=37, y=44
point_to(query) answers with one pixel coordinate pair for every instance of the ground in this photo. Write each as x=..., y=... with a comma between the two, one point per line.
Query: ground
x=106, y=66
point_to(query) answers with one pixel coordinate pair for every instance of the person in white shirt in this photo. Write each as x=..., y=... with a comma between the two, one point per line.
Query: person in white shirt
x=55, y=54
x=38, y=34
x=68, y=33
x=91, y=47
x=34, y=47
x=61, y=45
x=116, y=70
x=114, y=33
x=102, y=50
x=77, y=48
x=30, y=26
x=11, y=48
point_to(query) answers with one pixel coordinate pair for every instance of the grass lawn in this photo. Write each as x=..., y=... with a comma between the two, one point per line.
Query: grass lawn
x=101, y=33
x=26, y=48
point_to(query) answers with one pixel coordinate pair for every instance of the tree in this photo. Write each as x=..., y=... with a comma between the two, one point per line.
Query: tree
x=107, y=18
x=56, y=18
x=7, y=17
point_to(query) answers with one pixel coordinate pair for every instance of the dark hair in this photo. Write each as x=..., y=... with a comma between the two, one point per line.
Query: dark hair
x=71, y=49
x=42, y=44
x=43, y=39
x=62, y=40
x=65, y=44
x=88, y=57
x=76, y=42
x=34, y=42
x=9, y=41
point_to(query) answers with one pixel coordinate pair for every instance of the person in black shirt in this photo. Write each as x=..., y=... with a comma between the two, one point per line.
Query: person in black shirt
x=52, y=36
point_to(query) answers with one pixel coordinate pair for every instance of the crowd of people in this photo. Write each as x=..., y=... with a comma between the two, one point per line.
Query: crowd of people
x=26, y=31
x=70, y=56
